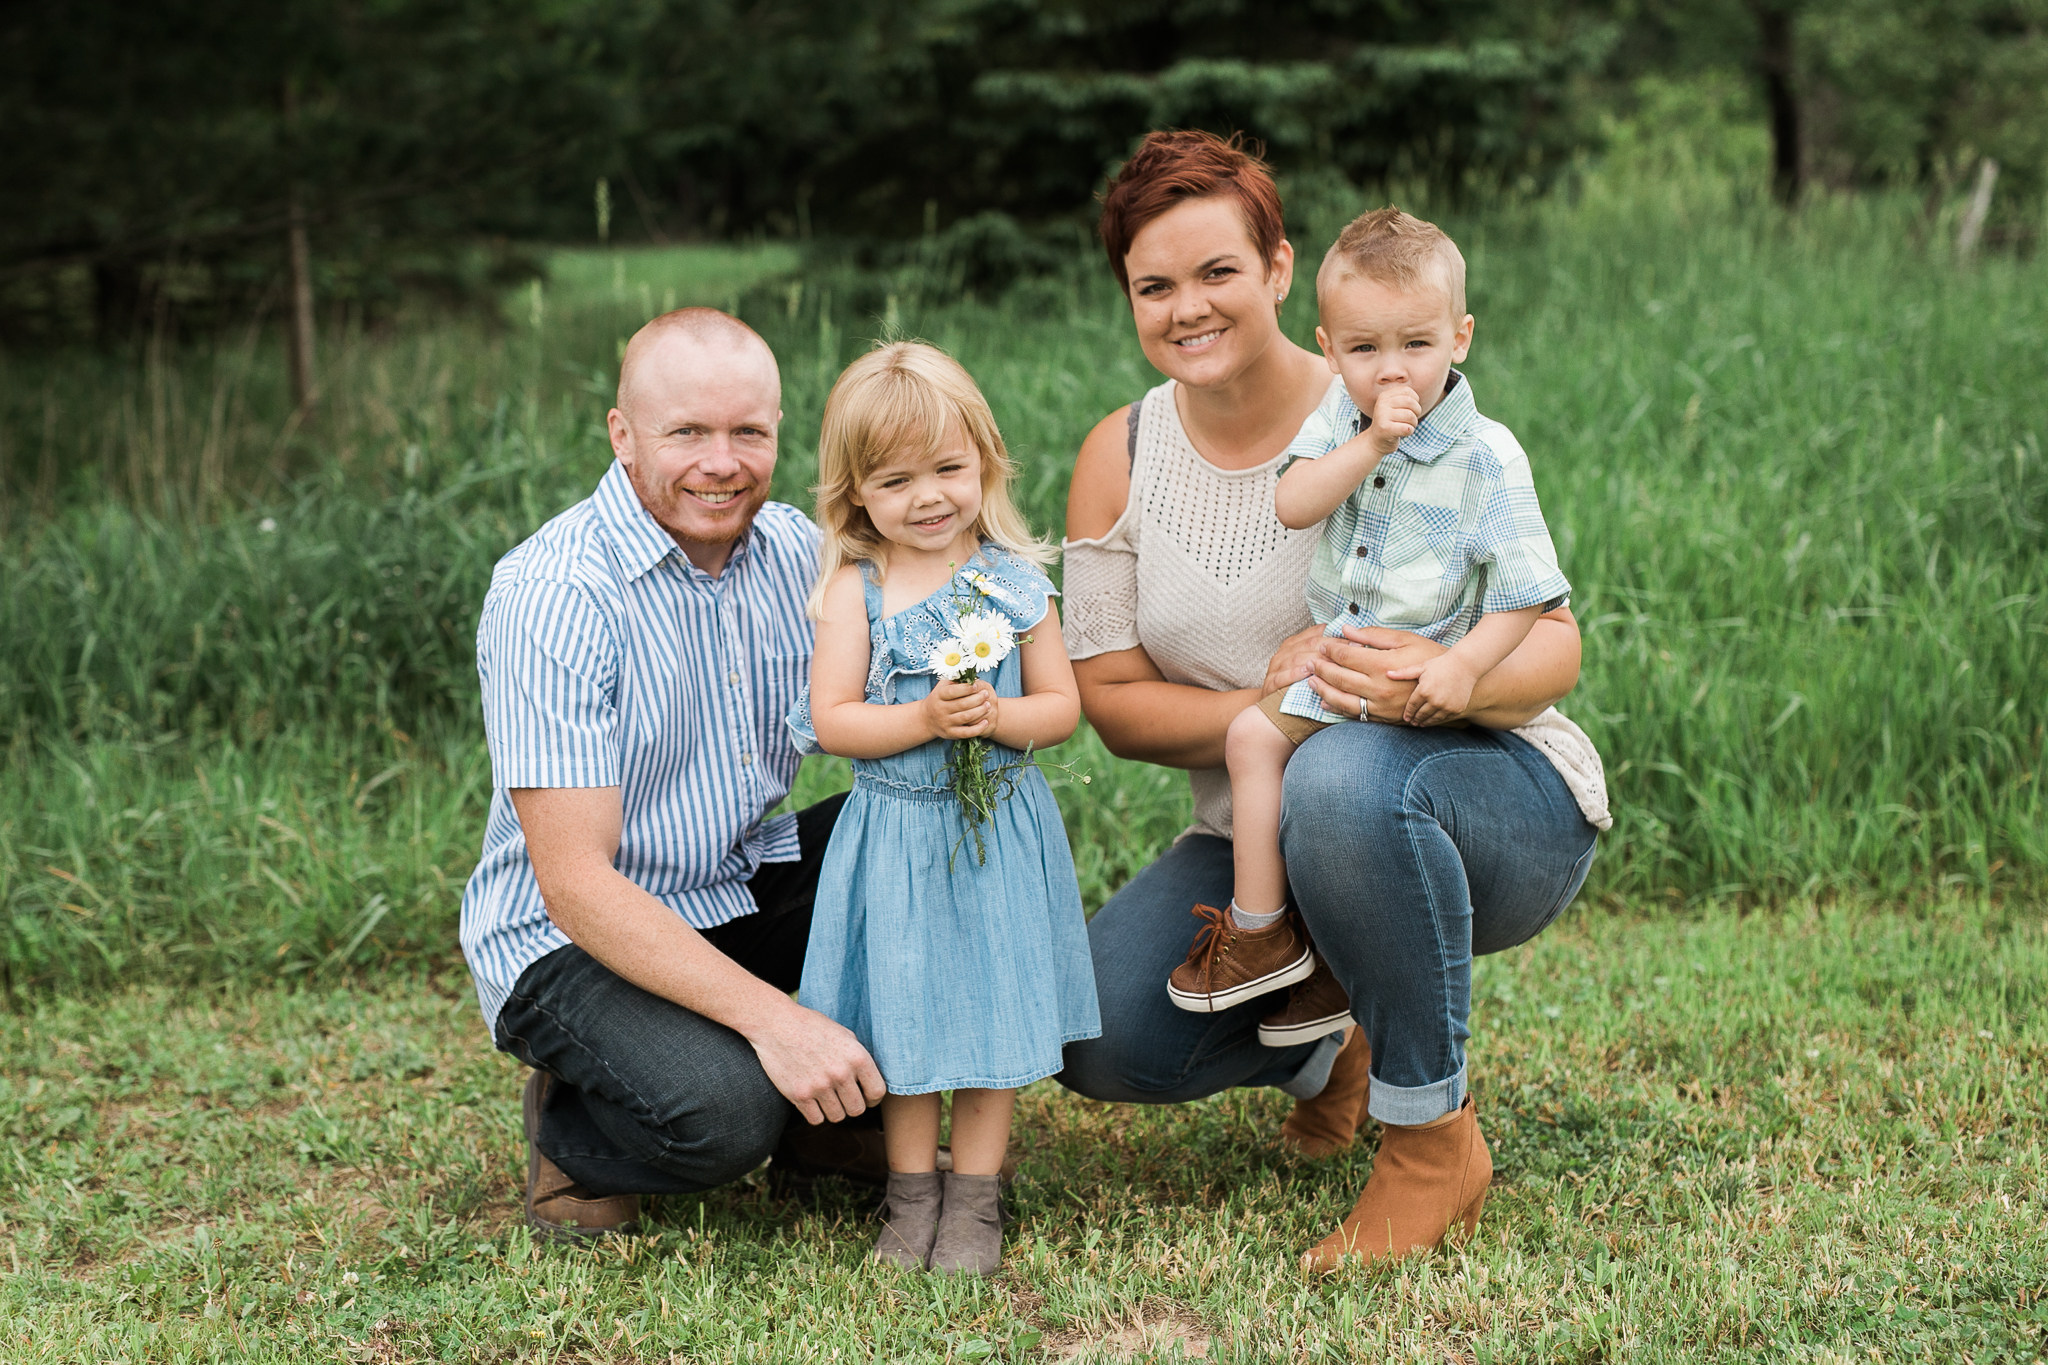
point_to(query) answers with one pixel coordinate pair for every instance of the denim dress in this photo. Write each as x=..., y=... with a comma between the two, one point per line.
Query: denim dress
x=950, y=971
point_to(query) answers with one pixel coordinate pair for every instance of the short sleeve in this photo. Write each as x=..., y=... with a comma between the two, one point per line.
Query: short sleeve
x=1512, y=540
x=802, y=734
x=549, y=667
x=1334, y=422
x=1015, y=586
x=1101, y=580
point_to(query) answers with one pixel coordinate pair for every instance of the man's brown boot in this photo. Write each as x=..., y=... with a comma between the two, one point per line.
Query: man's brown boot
x=1228, y=965
x=1425, y=1181
x=1316, y=1008
x=557, y=1208
x=1325, y=1125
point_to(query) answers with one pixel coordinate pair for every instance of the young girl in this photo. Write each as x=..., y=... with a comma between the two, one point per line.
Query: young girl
x=955, y=973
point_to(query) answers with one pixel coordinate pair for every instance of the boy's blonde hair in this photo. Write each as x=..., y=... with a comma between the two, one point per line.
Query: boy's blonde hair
x=1398, y=249
x=905, y=396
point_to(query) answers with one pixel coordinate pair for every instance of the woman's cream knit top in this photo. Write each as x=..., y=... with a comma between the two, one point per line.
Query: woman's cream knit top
x=1200, y=574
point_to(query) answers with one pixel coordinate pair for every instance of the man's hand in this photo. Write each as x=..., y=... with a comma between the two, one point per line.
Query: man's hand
x=1395, y=415
x=819, y=1067
x=1443, y=689
x=960, y=710
x=572, y=834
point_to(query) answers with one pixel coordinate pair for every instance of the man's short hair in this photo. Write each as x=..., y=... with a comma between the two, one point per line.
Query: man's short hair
x=1398, y=249
x=706, y=325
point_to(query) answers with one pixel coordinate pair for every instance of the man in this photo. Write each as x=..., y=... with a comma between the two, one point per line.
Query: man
x=636, y=925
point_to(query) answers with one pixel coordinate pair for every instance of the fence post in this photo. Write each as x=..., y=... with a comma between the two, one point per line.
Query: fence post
x=1972, y=229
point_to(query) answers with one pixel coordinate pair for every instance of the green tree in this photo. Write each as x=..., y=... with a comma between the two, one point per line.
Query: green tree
x=162, y=146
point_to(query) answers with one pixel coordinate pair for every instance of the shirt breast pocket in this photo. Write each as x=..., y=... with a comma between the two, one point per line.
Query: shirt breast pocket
x=783, y=678
x=1422, y=563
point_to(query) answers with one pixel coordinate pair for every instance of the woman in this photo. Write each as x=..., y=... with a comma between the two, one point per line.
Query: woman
x=1408, y=850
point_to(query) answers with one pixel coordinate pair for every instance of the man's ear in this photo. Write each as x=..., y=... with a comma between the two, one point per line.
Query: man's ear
x=621, y=435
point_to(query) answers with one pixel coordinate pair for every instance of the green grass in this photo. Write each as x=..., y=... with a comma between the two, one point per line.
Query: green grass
x=1773, y=1089
x=1793, y=466
x=1812, y=1135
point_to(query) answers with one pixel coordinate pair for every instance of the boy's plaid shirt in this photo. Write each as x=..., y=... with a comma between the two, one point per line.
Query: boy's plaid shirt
x=1445, y=529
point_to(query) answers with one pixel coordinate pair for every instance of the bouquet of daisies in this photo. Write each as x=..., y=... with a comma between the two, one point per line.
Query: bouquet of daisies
x=978, y=645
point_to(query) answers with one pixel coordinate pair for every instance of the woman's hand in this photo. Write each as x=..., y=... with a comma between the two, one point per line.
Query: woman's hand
x=960, y=710
x=1294, y=660
x=1352, y=674
x=1370, y=673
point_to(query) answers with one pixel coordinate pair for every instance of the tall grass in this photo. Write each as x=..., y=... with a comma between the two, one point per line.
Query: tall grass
x=1793, y=465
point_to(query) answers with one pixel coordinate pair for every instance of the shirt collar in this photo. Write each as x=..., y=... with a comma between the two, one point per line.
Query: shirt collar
x=1441, y=427
x=641, y=540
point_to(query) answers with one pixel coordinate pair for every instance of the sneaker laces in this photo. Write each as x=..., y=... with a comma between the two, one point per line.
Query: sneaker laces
x=1211, y=940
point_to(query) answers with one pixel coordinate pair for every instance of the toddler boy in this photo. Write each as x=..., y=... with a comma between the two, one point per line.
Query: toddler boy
x=1432, y=526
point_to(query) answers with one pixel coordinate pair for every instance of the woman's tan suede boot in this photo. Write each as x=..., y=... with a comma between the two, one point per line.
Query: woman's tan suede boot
x=1325, y=1125
x=1424, y=1182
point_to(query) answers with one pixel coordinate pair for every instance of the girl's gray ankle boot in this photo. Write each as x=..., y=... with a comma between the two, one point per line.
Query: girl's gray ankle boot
x=912, y=1211
x=970, y=1240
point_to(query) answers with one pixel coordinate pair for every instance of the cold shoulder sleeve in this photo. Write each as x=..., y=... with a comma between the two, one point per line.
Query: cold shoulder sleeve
x=1101, y=578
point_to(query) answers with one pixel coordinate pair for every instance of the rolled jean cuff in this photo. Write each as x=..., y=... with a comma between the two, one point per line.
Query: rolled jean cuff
x=1407, y=1106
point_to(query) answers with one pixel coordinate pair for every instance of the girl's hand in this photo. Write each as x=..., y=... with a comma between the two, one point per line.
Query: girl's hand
x=960, y=710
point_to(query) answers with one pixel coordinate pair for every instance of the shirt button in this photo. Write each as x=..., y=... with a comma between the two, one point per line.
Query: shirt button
x=1379, y=481
x=1354, y=608
x=1361, y=552
x=746, y=759
x=733, y=678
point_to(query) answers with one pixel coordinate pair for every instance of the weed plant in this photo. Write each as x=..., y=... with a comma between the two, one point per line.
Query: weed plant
x=1793, y=465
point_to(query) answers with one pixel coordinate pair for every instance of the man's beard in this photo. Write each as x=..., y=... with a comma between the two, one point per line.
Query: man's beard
x=672, y=515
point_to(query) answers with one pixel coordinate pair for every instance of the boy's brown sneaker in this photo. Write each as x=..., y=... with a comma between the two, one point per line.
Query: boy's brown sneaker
x=557, y=1208
x=1316, y=1008
x=1228, y=965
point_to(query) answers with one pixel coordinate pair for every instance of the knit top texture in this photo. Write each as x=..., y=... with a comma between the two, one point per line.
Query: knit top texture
x=1200, y=574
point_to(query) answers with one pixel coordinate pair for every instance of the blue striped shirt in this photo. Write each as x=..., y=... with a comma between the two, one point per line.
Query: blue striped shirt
x=609, y=660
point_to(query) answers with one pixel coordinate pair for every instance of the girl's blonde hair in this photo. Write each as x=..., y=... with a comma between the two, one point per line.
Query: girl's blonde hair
x=906, y=397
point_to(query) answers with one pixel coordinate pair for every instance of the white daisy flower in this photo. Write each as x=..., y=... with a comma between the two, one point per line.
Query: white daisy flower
x=989, y=638
x=949, y=659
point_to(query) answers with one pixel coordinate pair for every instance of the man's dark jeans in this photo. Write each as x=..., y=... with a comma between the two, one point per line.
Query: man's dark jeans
x=651, y=1098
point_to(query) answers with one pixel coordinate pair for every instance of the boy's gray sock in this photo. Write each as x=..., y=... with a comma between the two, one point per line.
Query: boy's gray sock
x=1245, y=919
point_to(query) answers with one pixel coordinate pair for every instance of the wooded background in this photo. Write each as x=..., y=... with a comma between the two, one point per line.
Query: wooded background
x=161, y=160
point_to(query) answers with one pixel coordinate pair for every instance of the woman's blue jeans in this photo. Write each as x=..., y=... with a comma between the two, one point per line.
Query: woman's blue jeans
x=1408, y=852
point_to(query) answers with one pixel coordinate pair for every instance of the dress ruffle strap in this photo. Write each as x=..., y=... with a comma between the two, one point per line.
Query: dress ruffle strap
x=994, y=579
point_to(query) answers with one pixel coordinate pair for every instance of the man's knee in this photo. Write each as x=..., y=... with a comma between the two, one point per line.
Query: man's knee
x=699, y=1140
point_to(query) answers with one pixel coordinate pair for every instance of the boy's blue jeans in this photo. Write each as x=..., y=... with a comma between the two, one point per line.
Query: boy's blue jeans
x=651, y=1098
x=1408, y=852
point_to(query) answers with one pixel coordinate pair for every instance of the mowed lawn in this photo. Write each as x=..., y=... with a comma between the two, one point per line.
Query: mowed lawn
x=1804, y=1135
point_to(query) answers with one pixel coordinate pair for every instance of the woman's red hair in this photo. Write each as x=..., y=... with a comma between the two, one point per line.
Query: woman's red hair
x=1186, y=164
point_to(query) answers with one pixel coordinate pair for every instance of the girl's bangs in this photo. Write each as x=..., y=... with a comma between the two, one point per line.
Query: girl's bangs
x=910, y=418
